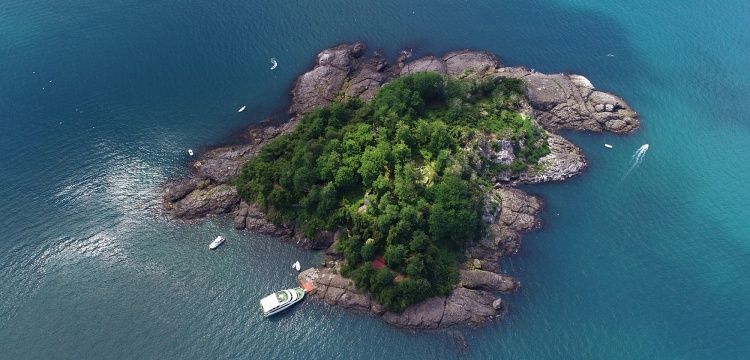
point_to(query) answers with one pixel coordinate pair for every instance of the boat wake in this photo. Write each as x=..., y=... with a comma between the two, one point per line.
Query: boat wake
x=637, y=159
x=275, y=64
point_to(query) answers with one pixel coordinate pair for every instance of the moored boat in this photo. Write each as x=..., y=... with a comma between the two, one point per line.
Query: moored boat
x=218, y=241
x=280, y=300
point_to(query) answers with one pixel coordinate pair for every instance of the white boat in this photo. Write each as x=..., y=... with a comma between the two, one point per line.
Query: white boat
x=190, y=152
x=608, y=146
x=296, y=266
x=275, y=64
x=242, y=109
x=218, y=241
x=280, y=300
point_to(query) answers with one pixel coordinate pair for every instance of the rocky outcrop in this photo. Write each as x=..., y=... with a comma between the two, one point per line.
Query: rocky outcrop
x=340, y=71
x=518, y=212
x=562, y=101
x=467, y=62
x=555, y=101
x=195, y=199
x=564, y=161
x=427, y=63
x=209, y=189
x=463, y=306
x=487, y=280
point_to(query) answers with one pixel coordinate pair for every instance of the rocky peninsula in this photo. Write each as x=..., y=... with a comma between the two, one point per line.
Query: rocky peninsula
x=553, y=101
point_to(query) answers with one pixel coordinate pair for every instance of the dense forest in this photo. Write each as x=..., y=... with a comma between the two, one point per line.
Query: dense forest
x=397, y=174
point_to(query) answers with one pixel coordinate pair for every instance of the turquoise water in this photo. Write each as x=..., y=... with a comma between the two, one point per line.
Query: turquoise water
x=99, y=101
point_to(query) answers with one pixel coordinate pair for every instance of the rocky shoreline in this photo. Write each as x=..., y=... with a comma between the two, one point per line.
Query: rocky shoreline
x=556, y=101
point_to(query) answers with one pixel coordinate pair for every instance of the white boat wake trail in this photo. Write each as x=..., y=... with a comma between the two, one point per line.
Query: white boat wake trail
x=637, y=159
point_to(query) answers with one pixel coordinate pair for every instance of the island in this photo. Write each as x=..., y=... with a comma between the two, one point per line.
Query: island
x=405, y=174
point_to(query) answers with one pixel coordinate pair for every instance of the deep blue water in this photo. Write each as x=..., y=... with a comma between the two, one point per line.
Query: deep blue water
x=99, y=101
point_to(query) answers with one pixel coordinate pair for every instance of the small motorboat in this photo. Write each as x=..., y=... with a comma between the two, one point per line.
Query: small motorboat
x=608, y=146
x=274, y=64
x=190, y=152
x=296, y=266
x=218, y=241
x=280, y=300
x=242, y=109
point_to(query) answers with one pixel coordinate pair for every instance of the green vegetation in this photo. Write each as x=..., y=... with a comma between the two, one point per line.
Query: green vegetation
x=395, y=174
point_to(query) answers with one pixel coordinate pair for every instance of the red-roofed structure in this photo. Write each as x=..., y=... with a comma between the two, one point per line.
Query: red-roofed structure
x=378, y=263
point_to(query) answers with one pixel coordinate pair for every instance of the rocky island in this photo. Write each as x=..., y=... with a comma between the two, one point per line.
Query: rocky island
x=404, y=174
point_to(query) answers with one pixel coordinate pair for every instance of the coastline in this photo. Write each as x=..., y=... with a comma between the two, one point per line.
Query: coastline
x=556, y=101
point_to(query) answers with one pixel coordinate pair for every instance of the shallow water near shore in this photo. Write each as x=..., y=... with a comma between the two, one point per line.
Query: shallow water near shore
x=100, y=100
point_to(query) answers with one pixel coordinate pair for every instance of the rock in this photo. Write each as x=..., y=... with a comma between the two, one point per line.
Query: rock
x=177, y=191
x=498, y=304
x=486, y=280
x=425, y=315
x=519, y=210
x=213, y=199
x=358, y=49
x=365, y=82
x=615, y=125
x=468, y=307
x=427, y=63
x=340, y=56
x=240, y=216
x=570, y=102
x=564, y=161
x=465, y=62
x=320, y=241
x=477, y=264
x=317, y=88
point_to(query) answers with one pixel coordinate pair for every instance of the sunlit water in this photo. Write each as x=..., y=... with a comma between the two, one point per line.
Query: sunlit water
x=100, y=100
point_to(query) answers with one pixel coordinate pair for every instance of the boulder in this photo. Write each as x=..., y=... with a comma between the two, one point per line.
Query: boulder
x=498, y=304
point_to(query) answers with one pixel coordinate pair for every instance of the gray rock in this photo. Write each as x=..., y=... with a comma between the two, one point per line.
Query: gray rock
x=365, y=83
x=470, y=62
x=487, y=280
x=498, y=304
x=468, y=307
x=569, y=102
x=427, y=63
x=317, y=88
x=212, y=199
x=564, y=161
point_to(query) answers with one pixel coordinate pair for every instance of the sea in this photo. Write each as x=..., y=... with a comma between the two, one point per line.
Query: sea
x=646, y=255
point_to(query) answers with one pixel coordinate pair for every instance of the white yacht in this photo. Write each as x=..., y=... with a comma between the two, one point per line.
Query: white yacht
x=242, y=108
x=281, y=300
x=214, y=244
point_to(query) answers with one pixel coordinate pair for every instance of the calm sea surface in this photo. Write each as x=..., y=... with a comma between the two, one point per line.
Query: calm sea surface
x=99, y=101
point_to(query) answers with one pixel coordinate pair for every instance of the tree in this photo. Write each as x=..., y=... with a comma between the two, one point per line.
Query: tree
x=395, y=256
x=368, y=250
